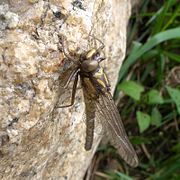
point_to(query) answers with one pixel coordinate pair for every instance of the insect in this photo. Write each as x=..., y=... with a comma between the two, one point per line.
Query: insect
x=99, y=101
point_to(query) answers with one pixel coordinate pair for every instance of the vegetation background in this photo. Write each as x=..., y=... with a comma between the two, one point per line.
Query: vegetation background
x=148, y=96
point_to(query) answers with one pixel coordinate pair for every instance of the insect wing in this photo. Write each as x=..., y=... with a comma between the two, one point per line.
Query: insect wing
x=67, y=73
x=111, y=121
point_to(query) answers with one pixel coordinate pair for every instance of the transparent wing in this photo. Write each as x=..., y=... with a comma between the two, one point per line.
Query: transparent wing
x=111, y=120
x=66, y=74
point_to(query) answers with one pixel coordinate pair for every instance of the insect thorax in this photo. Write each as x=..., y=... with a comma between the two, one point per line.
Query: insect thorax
x=101, y=78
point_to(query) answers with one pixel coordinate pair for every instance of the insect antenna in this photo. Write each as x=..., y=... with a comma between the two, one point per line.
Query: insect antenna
x=97, y=39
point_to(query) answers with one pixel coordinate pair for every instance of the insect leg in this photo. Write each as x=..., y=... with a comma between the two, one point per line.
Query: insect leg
x=62, y=39
x=70, y=78
x=73, y=92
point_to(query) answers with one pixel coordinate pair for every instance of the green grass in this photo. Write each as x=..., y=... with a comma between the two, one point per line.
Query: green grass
x=150, y=108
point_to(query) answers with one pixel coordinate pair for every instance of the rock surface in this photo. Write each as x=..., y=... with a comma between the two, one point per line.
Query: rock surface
x=37, y=140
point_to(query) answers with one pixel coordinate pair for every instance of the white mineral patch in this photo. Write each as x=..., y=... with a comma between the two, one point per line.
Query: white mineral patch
x=12, y=19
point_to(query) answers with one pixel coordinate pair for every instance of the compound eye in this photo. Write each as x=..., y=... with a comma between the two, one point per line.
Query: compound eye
x=96, y=56
x=89, y=65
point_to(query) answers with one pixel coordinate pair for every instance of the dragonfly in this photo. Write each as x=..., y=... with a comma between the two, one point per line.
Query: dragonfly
x=99, y=102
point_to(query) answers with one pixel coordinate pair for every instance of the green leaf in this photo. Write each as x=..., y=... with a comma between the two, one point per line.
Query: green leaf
x=156, y=117
x=151, y=43
x=143, y=121
x=168, y=168
x=150, y=54
x=132, y=89
x=176, y=148
x=123, y=176
x=154, y=97
x=135, y=46
x=160, y=21
x=173, y=16
x=140, y=140
x=154, y=17
x=160, y=68
x=172, y=56
x=115, y=175
x=147, y=71
x=175, y=95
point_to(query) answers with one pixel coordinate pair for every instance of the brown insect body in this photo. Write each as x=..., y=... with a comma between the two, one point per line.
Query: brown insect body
x=99, y=102
x=94, y=83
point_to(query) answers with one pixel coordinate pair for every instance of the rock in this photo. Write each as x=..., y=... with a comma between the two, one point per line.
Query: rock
x=37, y=140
